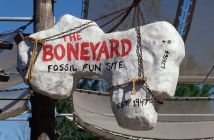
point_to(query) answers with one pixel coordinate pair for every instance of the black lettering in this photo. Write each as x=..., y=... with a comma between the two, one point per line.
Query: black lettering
x=98, y=67
x=66, y=67
x=61, y=67
x=91, y=67
x=108, y=66
x=49, y=67
x=120, y=64
x=84, y=66
x=74, y=69
x=55, y=67
x=164, y=59
x=115, y=65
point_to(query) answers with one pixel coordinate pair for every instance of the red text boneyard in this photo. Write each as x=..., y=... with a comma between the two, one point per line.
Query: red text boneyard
x=74, y=49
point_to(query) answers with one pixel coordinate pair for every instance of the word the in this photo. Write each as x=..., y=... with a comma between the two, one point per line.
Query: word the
x=163, y=62
x=73, y=37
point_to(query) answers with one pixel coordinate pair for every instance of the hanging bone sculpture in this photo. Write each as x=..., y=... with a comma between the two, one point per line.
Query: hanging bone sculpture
x=78, y=48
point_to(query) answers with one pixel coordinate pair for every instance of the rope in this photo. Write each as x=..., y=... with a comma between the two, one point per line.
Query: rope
x=141, y=80
x=123, y=18
x=33, y=59
x=141, y=14
x=133, y=20
x=112, y=19
x=138, y=15
x=110, y=14
x=25, y=26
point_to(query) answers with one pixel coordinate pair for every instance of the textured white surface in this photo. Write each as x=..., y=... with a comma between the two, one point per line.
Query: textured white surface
x=163, y=51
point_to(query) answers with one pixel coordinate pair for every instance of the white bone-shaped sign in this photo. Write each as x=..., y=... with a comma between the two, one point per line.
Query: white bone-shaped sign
x=88, y=51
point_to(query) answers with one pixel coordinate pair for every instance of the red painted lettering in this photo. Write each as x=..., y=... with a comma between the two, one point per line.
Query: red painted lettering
x=84, y=52
x=47, y=53
x=87, y=50
x=59, y=48
x=72, y=37
x=125, y=51
x=72, y=50
x=93, y=49
x=114, y=47
x=103, y=50
x=64, y=37
x=79, y=36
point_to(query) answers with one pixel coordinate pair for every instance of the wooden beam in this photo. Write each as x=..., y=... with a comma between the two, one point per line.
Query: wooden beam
x=43, y=107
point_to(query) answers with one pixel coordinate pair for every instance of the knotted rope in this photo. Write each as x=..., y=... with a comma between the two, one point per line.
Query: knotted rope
x=134, y=81
x=33, y=56
x=137, y=80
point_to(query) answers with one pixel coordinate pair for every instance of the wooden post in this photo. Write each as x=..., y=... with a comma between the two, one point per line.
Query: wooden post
x=43, y=107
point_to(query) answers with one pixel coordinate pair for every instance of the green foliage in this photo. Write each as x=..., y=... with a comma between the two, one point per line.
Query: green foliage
x=68, y=130
x=193, y=90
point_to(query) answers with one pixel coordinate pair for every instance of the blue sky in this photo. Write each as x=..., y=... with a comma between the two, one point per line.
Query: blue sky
x=19, y=130
x=24, y=8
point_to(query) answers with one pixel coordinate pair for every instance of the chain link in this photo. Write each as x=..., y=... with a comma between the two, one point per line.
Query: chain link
x=62, y=34
x=140, y=66
x=139, y=53
x=53, y=37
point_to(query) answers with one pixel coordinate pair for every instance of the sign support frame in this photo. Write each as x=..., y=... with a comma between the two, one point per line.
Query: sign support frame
x=43, y=107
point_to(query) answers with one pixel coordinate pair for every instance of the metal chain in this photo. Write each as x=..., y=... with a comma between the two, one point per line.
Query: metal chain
x=145, y=86
x=85, y=24
x=67, y=31
x=139, y=53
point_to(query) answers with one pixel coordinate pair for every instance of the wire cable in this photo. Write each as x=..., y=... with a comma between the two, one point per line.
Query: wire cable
x=11, y=90
x=22, y=28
